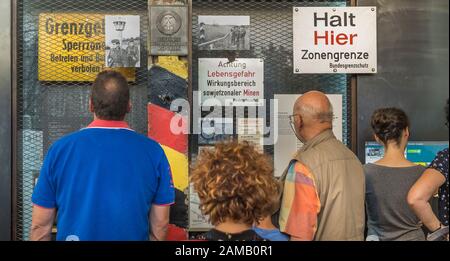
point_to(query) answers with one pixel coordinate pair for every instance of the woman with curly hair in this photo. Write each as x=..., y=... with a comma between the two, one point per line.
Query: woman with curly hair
x=235, y=185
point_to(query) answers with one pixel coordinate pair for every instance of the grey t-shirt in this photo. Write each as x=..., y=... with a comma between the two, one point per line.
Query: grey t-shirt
x=388, y=214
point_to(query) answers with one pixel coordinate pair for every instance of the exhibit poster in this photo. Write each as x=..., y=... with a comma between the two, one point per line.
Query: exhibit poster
x=197, y=221
x=122, y=41
x=288, y=144
x=213, y=130
x=169, y=30
x=223, y=32
x=71, y=47
x=251, y=130
x=237, y=83
x=335, y=39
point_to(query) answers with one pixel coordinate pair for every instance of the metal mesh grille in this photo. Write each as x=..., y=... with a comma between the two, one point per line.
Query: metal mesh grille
x=271, y=37
x=49, y=110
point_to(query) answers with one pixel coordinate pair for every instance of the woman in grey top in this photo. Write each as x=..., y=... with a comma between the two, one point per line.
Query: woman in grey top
x=389, y=180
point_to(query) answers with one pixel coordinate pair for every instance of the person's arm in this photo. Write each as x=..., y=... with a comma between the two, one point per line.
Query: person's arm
x=420, y=194
x=371, y=231
x=164, y=198
x=44, y=200
x=42, y=223
x=300, y=220
x=159, y=220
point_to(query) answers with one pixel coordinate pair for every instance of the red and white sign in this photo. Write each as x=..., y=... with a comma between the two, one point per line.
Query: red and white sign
x=335, y=39
x=237, y=83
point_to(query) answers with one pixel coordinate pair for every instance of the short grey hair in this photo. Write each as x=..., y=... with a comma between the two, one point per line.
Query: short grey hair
x=326, y=116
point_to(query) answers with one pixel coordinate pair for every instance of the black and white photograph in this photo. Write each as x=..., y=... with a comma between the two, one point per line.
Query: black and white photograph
x=224, y=32
x=122, y=41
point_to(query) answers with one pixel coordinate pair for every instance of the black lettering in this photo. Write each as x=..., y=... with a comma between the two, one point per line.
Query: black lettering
x=81, y=28
x=316, y=19
x=97, y=31
x=305, y=53
x=73, y=28
x=49, y=27
x=64, y=28
x=335, y=20
x=352, y=21
x=64, y=45
x=88, y=30
x=57, y=25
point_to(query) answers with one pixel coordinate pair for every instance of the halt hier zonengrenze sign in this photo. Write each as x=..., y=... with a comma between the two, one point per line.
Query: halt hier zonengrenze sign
x=335, y=39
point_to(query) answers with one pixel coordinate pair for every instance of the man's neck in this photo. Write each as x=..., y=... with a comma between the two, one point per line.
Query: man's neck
x=96, y=118
x=310, y=135
x=266, y=224
x=100, y=123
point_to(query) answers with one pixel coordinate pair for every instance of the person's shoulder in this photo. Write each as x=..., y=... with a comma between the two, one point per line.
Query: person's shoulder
x=145, y=141
x=441, y=158
x=420, y=168
x=300, y=167
x=68, y=138
x=443, y=153
x=369, y=168
x=65, y=141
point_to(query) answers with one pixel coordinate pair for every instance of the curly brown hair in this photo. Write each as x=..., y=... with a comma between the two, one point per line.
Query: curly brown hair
x=235, y=183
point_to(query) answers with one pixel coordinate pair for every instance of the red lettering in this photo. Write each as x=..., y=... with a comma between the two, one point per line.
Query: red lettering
x=341, y=39
x=331, y=39
x=352, y=37
x=317, y=37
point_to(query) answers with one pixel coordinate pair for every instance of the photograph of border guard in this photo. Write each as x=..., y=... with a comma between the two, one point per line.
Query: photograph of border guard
x=122, y=41
x=224, y=33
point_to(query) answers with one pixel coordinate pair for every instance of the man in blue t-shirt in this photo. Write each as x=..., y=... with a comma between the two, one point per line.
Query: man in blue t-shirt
x=104, y=182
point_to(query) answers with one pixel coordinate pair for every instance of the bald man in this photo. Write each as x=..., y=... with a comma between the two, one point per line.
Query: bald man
x=323, y=197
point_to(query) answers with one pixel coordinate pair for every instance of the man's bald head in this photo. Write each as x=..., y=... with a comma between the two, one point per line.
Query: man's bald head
x=316, y=106
x=314, y=114
x=110, y=96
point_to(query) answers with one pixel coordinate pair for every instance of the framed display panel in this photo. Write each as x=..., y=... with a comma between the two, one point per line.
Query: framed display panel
x=48, y=110
x=271, y=39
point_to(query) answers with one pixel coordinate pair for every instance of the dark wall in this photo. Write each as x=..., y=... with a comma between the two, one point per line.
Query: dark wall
x=413, y=65
x=5, y=120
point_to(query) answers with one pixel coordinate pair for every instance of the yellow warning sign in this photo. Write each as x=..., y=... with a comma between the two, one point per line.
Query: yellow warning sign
x=71, y=47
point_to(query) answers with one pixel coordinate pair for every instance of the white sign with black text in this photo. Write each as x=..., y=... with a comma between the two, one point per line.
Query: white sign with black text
x=235, y=83
x=335, y=40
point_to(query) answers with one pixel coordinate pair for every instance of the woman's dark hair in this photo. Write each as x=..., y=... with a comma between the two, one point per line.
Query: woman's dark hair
x=110, y=96
x=388, y=124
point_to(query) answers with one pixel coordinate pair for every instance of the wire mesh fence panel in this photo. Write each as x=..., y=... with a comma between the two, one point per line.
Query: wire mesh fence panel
x=51, y=104
x=53, y=89
x=271, y=39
